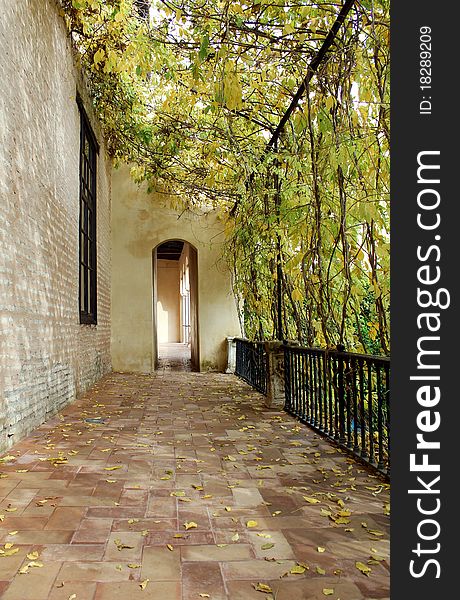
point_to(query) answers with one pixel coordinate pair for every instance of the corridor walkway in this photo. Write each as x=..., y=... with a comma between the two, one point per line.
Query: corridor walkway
x=174, y=357
x=182, y=486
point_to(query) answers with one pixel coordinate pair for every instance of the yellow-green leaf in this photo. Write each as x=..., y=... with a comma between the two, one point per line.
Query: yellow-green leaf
x=263, y=587
x=365, y=570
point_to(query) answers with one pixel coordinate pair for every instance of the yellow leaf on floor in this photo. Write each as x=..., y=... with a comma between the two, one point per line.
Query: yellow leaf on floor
x=8, y=552
x=311, y=500
x=320, y=549
x=251, y=524
x=263, y=587
x=365, y=570
x=190, y=525
x=112, y=468
x=121, y=546
x=328, y=591
x=372, y=531
x=143, y=584
x=267, y=546
x=297, y=570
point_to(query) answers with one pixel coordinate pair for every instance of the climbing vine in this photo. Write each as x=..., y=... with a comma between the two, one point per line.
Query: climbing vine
x=190, y=92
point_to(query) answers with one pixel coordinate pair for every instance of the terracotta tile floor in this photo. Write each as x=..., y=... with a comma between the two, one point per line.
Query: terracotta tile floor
x=184, y=486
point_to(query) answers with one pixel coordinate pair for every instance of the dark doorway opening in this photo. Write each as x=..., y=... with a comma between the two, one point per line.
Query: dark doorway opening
x=175, y=306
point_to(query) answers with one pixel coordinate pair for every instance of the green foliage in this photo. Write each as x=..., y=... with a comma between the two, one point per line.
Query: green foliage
x=190, y=92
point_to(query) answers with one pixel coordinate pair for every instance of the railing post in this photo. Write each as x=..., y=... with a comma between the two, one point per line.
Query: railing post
x=275, y=397
x=341, y=392
x=231, y=354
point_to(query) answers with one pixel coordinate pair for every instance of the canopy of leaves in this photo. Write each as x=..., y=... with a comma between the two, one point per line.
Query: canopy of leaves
x=189, y=92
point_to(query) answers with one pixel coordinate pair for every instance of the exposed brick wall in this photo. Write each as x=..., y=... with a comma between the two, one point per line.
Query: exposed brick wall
x=46, y=357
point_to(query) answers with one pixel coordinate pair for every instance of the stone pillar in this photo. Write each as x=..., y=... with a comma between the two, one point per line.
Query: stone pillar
x=231, y=354
x=275, y=376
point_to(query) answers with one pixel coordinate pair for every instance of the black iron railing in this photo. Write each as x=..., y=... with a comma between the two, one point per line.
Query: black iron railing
x=344, y=396
x=251, y=363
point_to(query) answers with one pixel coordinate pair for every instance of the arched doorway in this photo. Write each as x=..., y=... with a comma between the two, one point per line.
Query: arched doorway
x=175, y=306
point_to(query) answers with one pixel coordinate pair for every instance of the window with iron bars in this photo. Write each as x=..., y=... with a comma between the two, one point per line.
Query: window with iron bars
x=88, y=259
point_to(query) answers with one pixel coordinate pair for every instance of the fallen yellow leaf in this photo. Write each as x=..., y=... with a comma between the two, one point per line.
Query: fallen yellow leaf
x=297, y=570
x=9, y=552
x=311, y=500
x=251, y=524
x=121, y=546
x=190, y=525
x=267, y=546
x=143, y=584
x=328, y=591
x=263, y=587
x=365, y=570
x=372, y=531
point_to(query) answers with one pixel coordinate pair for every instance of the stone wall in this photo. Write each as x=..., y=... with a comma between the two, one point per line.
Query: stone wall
x=46, y=357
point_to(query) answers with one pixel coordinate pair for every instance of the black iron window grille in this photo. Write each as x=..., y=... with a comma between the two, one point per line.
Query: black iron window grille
x=88, y=259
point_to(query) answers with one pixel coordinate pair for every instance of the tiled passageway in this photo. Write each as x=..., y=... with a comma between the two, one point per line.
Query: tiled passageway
x=182, y=486
x=174, y=357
